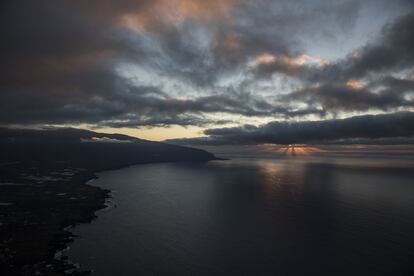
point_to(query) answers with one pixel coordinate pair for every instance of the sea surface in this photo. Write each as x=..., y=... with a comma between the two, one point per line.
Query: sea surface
x=287, y=216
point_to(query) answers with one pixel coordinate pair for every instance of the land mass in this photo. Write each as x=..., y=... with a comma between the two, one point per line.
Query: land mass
x=43, y=190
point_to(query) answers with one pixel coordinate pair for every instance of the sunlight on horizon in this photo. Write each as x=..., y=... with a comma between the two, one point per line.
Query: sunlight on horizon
x=156, y=133
x=297, y=150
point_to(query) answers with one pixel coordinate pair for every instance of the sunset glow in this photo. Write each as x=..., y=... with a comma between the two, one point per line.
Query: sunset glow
x=355, y=85
x=291, y=63
x=234, y=137
x=298, y=150
x=180, y=69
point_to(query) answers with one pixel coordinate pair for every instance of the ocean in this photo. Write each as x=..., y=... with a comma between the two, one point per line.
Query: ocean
x=285, y=216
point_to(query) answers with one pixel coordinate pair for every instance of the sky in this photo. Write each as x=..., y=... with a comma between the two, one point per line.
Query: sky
x=218, y=72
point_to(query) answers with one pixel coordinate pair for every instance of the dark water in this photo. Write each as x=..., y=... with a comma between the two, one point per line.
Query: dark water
x=252, y=217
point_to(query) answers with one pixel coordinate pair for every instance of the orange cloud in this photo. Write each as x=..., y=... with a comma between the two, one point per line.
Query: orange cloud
x=264, y=59
x=201, y=9
x=296, y=62
x=286, y=64
x=355, y=85
x=309, y=60
x=162, y=13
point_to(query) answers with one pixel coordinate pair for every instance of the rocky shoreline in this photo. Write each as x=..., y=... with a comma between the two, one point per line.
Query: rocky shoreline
x=43, y=189
x=38, y=208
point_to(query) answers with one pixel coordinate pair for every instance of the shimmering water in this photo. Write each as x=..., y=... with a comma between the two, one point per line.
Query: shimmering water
x=290, y=216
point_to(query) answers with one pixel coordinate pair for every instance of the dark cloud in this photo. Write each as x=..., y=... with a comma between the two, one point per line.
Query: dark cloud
x=388, y=53
x=392, y=51
x=59, y=63
x=387, y=94
x=364, y=81
x=61, y=60
x=367, y=128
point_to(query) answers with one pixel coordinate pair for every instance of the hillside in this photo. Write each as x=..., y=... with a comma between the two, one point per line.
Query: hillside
x=43, y=175
x=90, y=150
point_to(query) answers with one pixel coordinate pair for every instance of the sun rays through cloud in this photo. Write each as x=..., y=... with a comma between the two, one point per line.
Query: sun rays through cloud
x=176, y=66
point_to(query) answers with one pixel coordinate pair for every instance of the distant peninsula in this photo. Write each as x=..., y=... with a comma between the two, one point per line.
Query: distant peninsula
x=43, y=190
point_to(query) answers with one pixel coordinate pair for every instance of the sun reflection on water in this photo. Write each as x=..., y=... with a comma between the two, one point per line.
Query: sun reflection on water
x=282, y=180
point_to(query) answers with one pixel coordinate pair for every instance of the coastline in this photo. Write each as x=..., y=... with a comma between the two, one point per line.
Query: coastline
x=64, y=264
x=166, y=218
x=35, y=228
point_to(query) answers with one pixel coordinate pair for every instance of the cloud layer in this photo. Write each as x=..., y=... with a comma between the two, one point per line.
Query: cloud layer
x=176, y=62
x=367, y=129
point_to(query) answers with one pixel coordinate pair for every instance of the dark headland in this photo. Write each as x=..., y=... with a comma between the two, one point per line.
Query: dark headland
x=43, y=190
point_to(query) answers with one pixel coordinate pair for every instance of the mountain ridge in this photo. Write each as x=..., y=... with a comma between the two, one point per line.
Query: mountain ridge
x=90, y=150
